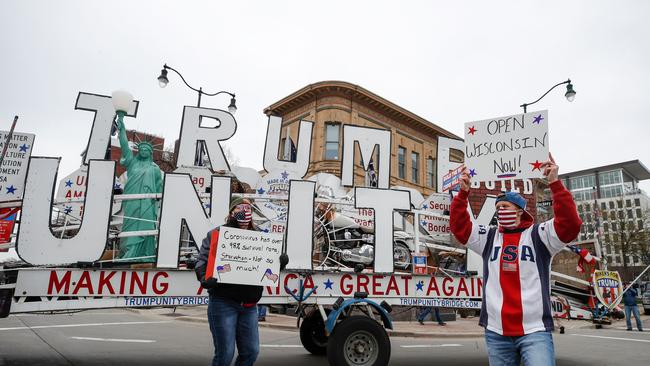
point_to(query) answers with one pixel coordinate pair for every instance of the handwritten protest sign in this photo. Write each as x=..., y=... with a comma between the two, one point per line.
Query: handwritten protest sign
x=512, y=147
x=245, y=257
x=14, y=164
x=451, y=180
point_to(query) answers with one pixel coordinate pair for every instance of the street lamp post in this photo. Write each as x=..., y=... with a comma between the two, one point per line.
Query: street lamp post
x=569, y=95
x=232, y=107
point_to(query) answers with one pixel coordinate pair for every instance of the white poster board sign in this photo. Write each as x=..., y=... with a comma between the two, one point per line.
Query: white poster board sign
x=437, y=226
x=512, y=147
x=14, y=164
x=71, y=193
x=246, y=257
x=275, y=183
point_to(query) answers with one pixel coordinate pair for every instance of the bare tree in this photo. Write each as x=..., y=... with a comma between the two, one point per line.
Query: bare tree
x=232, y=159
x=628, y=234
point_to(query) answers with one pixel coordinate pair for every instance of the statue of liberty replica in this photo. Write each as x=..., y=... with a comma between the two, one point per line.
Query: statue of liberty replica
x=143, y=176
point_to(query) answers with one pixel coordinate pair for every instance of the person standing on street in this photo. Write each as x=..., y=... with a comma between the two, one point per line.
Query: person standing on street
x=232, y=308
x=629, y=300
x=516, y=308
x=426, y=311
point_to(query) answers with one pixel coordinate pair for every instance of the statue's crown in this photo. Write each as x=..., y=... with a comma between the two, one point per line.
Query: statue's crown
x=146, y=145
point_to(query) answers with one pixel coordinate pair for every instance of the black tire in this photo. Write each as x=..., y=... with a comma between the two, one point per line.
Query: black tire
x=358, y=341
x=312, y=333
x=404, y=252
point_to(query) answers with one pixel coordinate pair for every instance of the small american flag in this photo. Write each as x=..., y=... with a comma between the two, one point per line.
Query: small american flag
x=270, y=275
x=585, y=257
x=223, y=269
x=371, y=175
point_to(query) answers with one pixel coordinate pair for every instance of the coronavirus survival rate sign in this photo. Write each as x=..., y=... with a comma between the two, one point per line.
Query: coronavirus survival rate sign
x=245, y=257
x=512, y=147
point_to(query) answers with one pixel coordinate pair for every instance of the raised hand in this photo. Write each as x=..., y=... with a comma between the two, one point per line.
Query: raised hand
x=465, y=180
x=550, y=169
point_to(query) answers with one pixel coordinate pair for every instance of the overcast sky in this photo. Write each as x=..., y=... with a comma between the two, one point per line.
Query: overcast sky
x=449, y=62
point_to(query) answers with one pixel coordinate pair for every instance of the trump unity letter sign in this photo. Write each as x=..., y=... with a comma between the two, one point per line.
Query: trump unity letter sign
x=511, y=147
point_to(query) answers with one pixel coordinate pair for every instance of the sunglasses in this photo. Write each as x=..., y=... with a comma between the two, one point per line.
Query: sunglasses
x=243, y=207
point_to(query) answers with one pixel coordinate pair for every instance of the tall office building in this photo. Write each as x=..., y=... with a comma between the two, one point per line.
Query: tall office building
x=612, y=205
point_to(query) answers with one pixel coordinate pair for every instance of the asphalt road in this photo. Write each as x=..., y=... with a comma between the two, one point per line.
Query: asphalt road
x=119, y=337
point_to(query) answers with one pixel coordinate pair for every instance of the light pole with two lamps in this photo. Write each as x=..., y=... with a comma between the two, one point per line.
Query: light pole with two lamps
x=232, y=107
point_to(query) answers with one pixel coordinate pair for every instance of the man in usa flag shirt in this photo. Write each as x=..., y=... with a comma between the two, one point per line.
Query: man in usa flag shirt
x=516, y=311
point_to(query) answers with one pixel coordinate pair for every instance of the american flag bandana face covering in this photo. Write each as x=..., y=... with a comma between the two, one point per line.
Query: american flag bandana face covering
x=244, y=217
x=507, y=218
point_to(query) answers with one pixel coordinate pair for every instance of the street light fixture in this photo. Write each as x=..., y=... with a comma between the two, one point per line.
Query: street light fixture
x=163, y=81
x=570, y=94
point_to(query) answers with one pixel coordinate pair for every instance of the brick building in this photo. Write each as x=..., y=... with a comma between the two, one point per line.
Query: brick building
x=332, y=104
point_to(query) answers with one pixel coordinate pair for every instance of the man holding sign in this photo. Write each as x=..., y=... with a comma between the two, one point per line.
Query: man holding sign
x=516, y=310
x=232, y=310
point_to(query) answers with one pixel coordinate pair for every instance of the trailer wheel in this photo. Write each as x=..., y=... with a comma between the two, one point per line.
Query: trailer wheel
x=358, y=341
x=312, y=333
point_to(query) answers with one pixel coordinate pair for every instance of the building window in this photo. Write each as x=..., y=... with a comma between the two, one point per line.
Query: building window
x=638, y=213
x=637, y=202
x=614, y=228
x=612, y=191
x=605, y=226
x=603, y=206
x=415, y=167
x=332, y=138
x=611, y=205
x=628, y=203
x=580, y=208
x=401, y=162
x=611, y=177
x=431, y=163
x=640, y=224
x=629, y=214
x=619, y=204
x=587, y=181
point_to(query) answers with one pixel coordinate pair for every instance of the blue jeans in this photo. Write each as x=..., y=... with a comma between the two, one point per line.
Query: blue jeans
x=534, y=349
x=261, y=311
x=426, y=311
x=634, y=310
x=230, y=324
